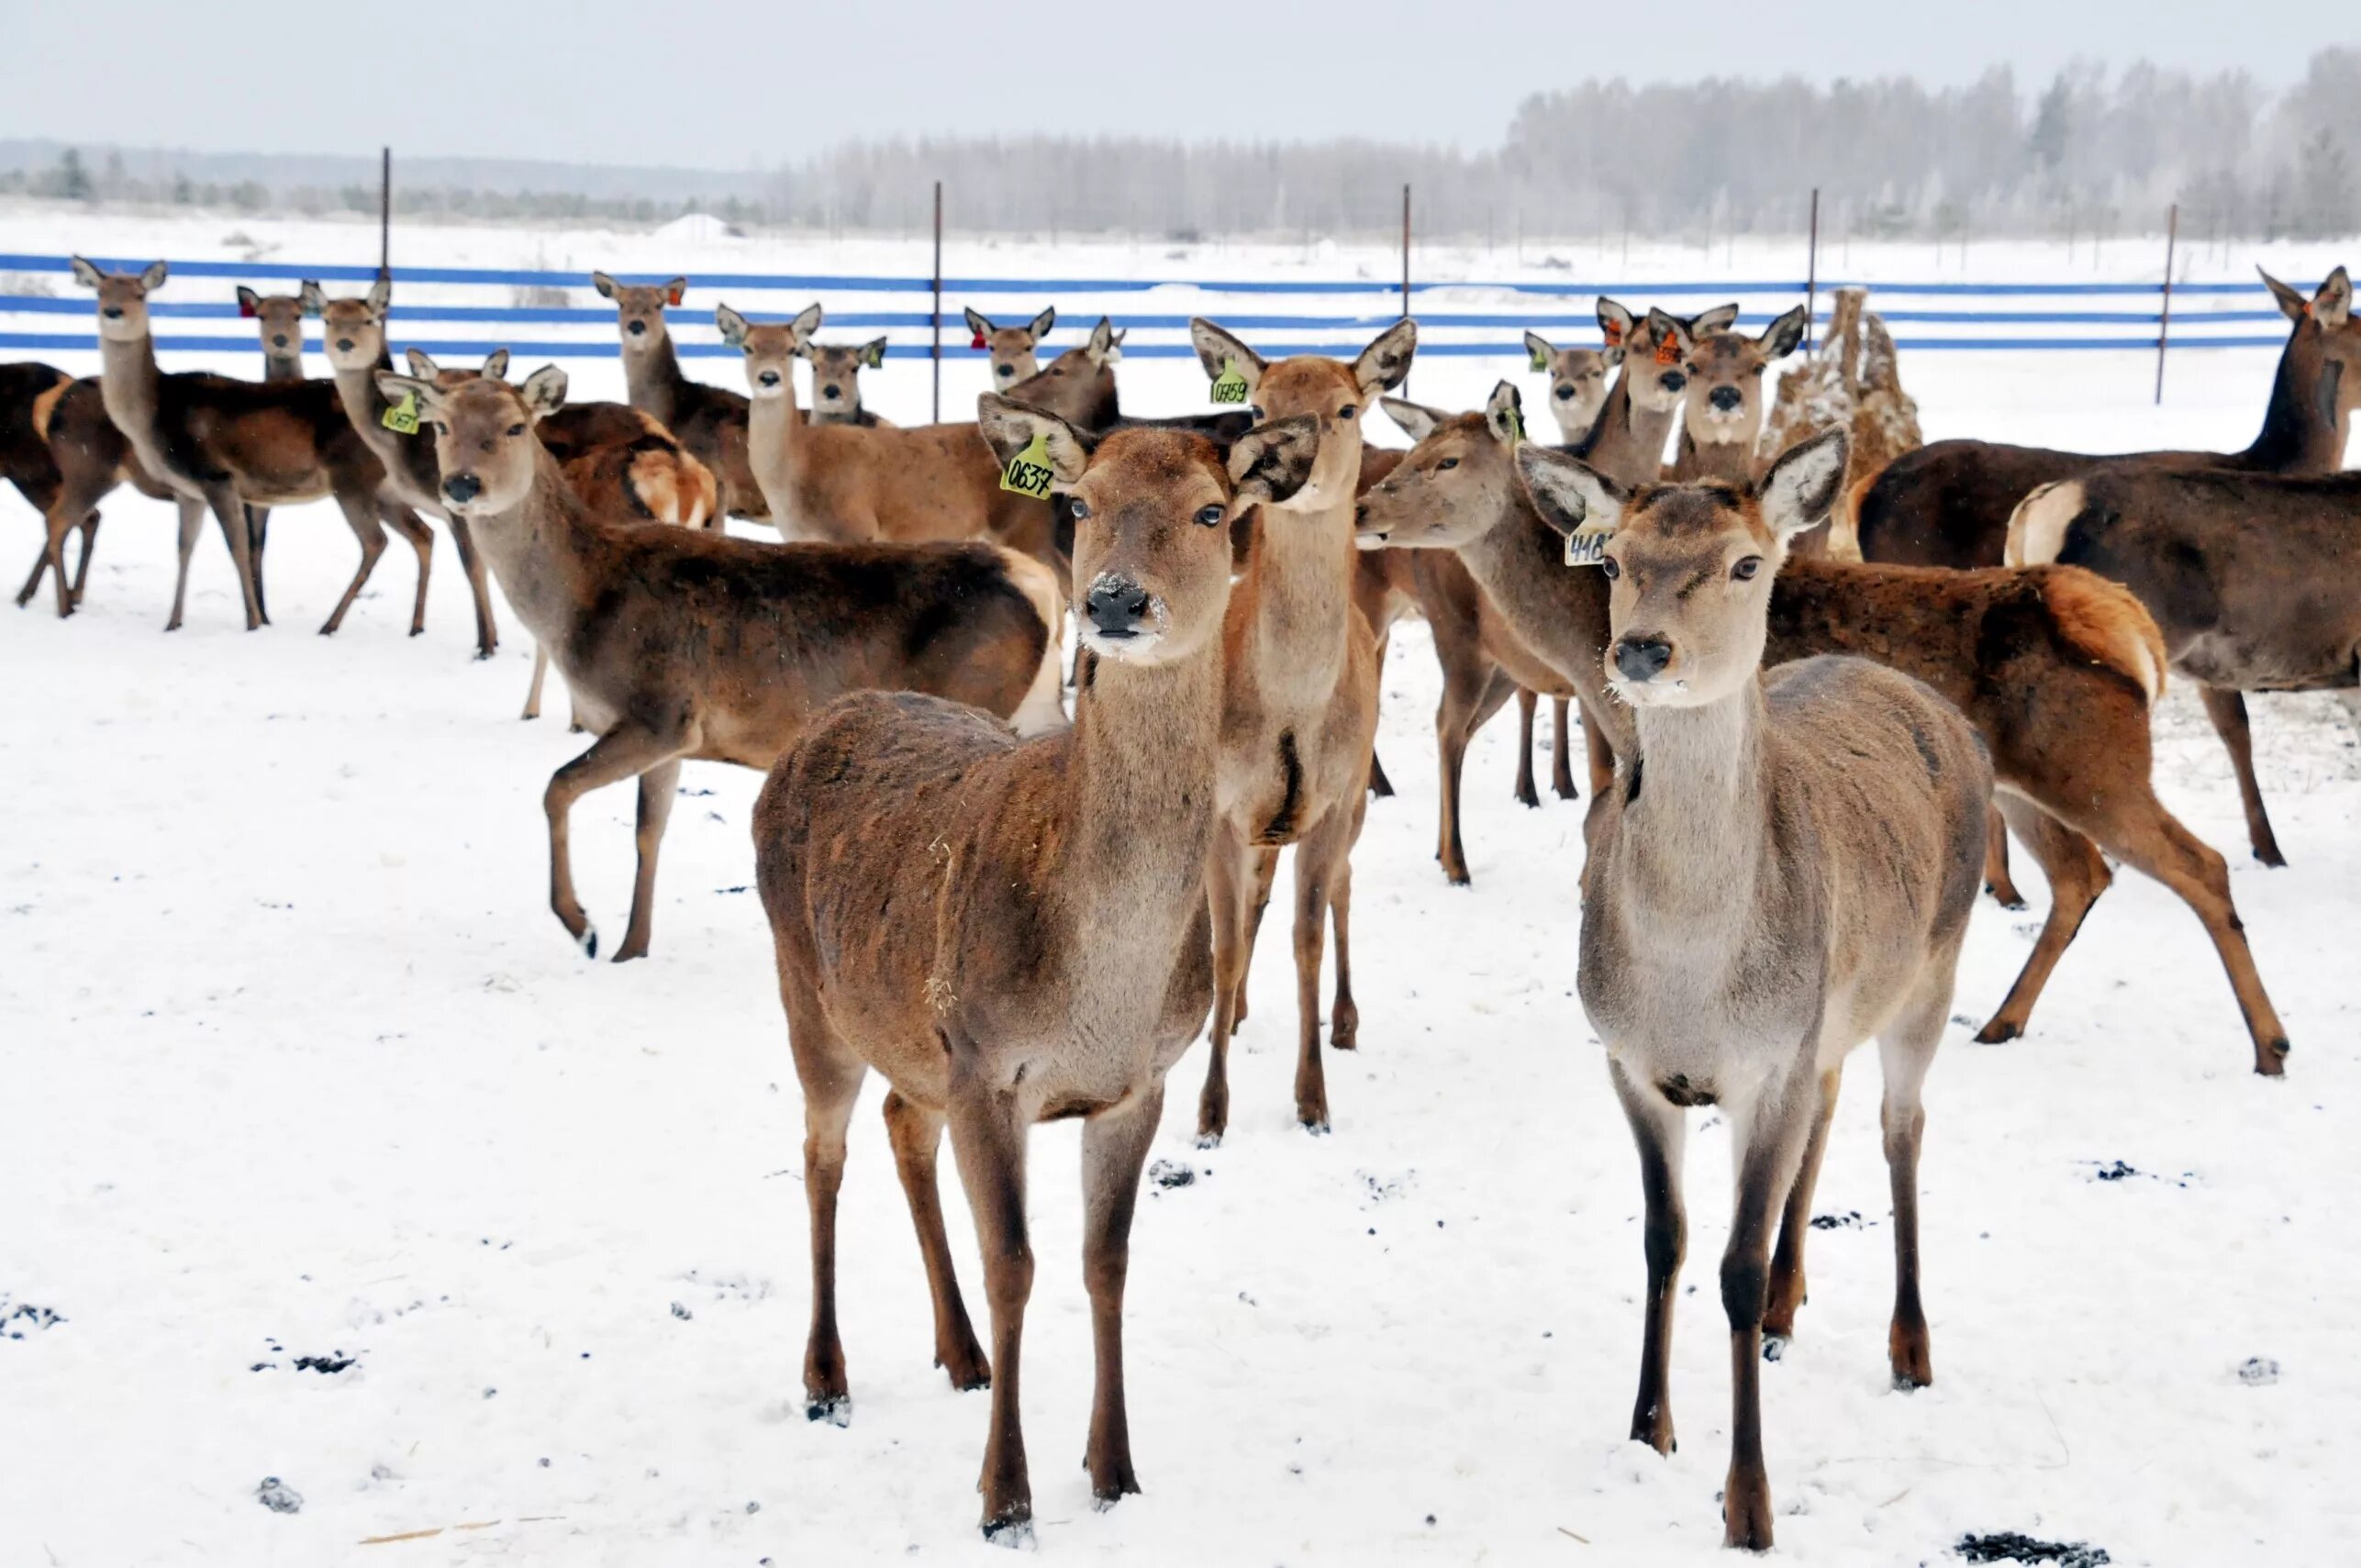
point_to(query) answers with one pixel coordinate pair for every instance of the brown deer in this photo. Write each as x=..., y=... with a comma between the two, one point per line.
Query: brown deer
x=1626, y=441
x=836, y=380
x=279, y=319
x=1949, y=504
x=2254, y=580
x=687, y=643
x=1721, y=411
x=2057, y=668
x=1011, y=348
x=1014, y=932
x=1299, y=711
x=233, y=444
x=844, y=483
x=64, y=455
x=710, y=421
x=1078, y=386
x=620, y=463
x=1577, y=382
x=1785, y=869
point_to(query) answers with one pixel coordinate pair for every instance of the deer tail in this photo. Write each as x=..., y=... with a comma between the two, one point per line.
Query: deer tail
x=2106, y=622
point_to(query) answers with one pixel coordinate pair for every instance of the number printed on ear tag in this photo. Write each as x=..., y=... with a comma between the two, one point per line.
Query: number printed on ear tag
x=1029, y=473
x=1230, y=386
x=1586, y=547
x=403, y=417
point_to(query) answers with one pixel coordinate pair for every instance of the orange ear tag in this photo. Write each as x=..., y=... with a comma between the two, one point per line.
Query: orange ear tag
x=1667, y=349
x=673, y=295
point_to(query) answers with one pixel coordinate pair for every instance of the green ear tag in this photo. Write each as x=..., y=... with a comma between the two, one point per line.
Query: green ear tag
x=1029, y=473
x=403, y=415
x=1540, y=360
x=1586, y=547
x=1230, y=386
x=1515, y=419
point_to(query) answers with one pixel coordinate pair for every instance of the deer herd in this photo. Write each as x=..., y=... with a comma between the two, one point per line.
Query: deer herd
x=1818, y=667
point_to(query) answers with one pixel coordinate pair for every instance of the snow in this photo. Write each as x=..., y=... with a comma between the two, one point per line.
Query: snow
x=295, y=1063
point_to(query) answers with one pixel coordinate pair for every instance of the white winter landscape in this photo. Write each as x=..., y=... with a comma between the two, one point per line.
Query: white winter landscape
x=327, y=1158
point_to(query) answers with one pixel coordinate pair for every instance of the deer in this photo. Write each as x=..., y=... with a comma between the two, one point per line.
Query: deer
x=1785, y=870
x=710, y=421
x=1721, y=411
x=1949, y=504
x=1577, y=379
x=1011, y=348
x=836, y=381
x=233, y=444
x=1055, y=960
x=2254, y=580
x=844, y=482
x=64, y=456
x=619, y=461
x=2057, y=668
x=1300, y=713
x=682, y=643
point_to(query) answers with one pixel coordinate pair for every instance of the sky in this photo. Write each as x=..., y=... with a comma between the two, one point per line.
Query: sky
x=732, y=85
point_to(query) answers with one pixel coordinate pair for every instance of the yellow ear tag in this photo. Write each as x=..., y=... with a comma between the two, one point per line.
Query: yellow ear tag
x=1586, y=547
x=1230, y=386
x=1540, y=360
x=1515, y=419
x=403, y=417
x=1028, y=471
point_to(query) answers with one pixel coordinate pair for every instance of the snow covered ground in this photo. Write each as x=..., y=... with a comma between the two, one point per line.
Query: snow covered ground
x=295, y=1063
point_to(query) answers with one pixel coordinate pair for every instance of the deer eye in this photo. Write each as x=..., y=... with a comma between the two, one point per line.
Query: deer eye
x=1081, y=508
x=1210, y=517
x=518, y=431
x=1347, y=412
x=1745, y=571
x=1607, y=564
x=1447, y=462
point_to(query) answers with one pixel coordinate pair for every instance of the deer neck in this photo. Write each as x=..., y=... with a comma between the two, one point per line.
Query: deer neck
x=127, y=381
x=1302, y=567
x=2306, y=422
x=1693, y=836
x=1627, y=443
x=408, y=461
x=1558, y=611
x=1138, y=784
x=775, y=452
x=278, y=368
x=1732, y=460
x=651, y=379
x=543, y=551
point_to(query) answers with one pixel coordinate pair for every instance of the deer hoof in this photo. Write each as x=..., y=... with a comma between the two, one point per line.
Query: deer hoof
x=588, y=940
x=1016, y=1535
x=836, y=1410
x=1998, y=1031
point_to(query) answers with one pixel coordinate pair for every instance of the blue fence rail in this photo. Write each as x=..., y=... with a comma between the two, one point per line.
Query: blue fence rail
x=2203, y=310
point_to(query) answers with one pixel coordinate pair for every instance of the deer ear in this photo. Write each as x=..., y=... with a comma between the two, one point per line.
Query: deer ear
x=604, y=285
x=153, y=278
x=84, y=274
x=496, y=365
x=250, y=304
x=1802, y=485
x=1104, y=345
x=2293, y=306
x=380, y=295
x=873, y=353
x=1568, y=492
x=1719, y=319
x=1782, y=337
x=1271, y=462
x=1009, y=427
x=1218, y=349
x=422, y=364
x=805, y=323
x=732, y=326
x=544, y=392
x=1666, y=331
x=1613, y=356
x=1614, y=321
x=1416, y=420
x=675, y=290
x=310, y=299
x=1504, y=415
x=1042, y=323
x=2333, y=303
x=1539, y=347
x=977, y=321
x=1386, y=363
x=395, y=388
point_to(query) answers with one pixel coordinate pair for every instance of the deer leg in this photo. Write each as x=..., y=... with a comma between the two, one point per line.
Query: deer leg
x=1661, y=1132
x=363, y=517
x=487, y=628
x=258, y=534
x=1227, y=866
x=192, y=525
x=1344, y=1014
x=231, y=512
x=1997, y=880
x=62, y=519
x=540, y=671
x=624, y=752
x=1786, y=1292
x=1527, y=702
x=1114, y=1149
x=82, y=567
x=830, y=1075
x=987, y=1137
x=1379, y=784
x=916, y=1133
x=1769, y=1138
x=1598, y=754
x=1560, y=758
x=2078, y=876
x=405, y=522
x=1265, y=863
x=1906, y=1050
x=658, y=787
x=1322, y=858
x=2228, y=711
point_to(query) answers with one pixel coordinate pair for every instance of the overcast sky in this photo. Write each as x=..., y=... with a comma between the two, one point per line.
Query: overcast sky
x=731, y=84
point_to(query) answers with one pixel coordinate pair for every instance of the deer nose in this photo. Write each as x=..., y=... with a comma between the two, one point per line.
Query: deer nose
x=344, y=345
x=1116, y=607
x=1725, y=398
x=637, y=328
x=279, y=340
x=462, y=486
x=1565, y=394
x=830, y=391
x=1004, y=372
x=768, y=378
x=113, y=313
x=1674, y=380
x=1641, y=658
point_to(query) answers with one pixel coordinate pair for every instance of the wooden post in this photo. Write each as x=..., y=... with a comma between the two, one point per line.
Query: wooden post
x=2164, y=318
x=1812, y=275
x=385, y=213
x=938, y=302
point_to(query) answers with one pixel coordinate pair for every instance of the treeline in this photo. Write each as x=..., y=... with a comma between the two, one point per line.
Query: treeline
x=2090, y=152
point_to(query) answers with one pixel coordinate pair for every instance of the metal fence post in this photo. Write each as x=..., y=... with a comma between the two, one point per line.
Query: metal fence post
x=2164, y=317
x=385, y=213
x=938, y=302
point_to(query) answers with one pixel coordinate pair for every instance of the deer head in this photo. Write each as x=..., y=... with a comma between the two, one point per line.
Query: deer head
x=122, y=298
x=1011, y=348
x=1656, y=352
x=1578, y=382
x=771, y=348
x=1152, y=510
x=279, y=319
x=836, y=371
x=1332, y=391
x=1690, y=566
x=353, y=330
x=1724, y=401
x=483, y=433
x=639, y=309
x=1455, y=485
x=2324, y=325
